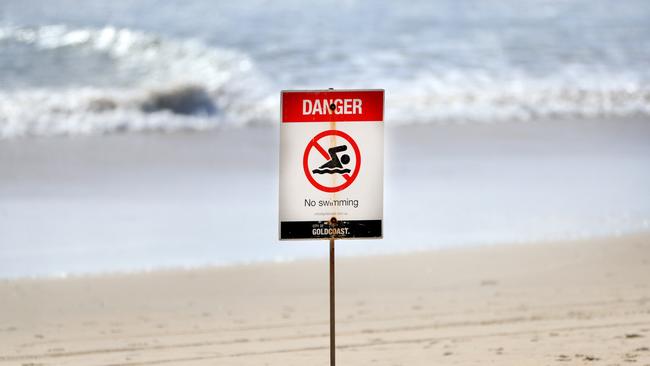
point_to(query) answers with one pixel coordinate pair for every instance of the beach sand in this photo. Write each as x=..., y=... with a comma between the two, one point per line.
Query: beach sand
x=567, y=303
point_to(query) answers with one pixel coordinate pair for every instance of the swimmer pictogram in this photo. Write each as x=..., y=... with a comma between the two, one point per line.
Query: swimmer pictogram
x=335, y=165
x=337, y=161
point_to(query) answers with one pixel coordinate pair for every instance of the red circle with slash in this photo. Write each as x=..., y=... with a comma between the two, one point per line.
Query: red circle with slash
x=313, y=144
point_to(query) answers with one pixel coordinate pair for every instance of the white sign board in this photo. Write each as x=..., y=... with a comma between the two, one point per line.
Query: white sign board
x=331, y=164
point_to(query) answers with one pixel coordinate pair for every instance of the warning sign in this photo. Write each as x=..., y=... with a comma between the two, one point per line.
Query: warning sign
x=334, y=164
x=331, y=164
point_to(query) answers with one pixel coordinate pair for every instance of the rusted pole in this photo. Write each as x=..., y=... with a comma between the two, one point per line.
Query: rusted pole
x=333, y=222
x=332, y=312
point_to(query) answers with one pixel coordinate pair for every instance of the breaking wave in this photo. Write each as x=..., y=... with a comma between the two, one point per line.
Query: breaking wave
x=135, y=82
x=97, y=81
x=573, y=92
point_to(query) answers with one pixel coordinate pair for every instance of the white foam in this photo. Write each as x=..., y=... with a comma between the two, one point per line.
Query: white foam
x=144, y=66
x=479, y=97
x=157, y=66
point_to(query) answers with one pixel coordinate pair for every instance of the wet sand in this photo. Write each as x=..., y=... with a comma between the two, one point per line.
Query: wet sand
x=565, y=303
x=126, y=202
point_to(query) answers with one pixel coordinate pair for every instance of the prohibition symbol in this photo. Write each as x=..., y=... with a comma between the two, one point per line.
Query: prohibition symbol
x=336, y=160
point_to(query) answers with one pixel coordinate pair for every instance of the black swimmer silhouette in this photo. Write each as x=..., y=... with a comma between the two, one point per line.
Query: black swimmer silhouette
x=334, y=165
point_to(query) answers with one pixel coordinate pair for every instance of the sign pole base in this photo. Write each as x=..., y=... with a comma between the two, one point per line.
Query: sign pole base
x=332, y=312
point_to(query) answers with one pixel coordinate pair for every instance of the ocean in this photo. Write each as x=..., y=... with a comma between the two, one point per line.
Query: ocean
x=96, y=67
x=140, y=135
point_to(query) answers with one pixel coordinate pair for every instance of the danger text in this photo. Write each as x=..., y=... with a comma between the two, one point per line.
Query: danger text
x=324, y=106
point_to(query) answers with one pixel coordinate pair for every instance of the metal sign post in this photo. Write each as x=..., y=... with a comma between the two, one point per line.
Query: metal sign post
x=331, y=166
x=332, y=309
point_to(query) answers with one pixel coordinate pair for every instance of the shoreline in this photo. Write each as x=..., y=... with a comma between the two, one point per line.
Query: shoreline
x=571, y=301
x=319, y=257
x=125, y=202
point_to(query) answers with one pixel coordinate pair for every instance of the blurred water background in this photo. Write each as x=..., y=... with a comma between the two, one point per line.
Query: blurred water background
x=507, y=121
x=97, y=66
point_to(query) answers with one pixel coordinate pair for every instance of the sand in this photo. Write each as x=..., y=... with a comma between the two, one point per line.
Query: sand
x=567, y=303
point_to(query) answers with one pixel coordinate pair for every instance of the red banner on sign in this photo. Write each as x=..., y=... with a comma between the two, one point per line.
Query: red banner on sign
x=333, y=106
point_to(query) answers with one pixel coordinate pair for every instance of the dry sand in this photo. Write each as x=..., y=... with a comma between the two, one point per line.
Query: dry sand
x=560, y=303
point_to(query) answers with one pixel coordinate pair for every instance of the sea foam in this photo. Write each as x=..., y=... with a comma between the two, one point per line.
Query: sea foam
x=160, y=84
x=108, y=80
